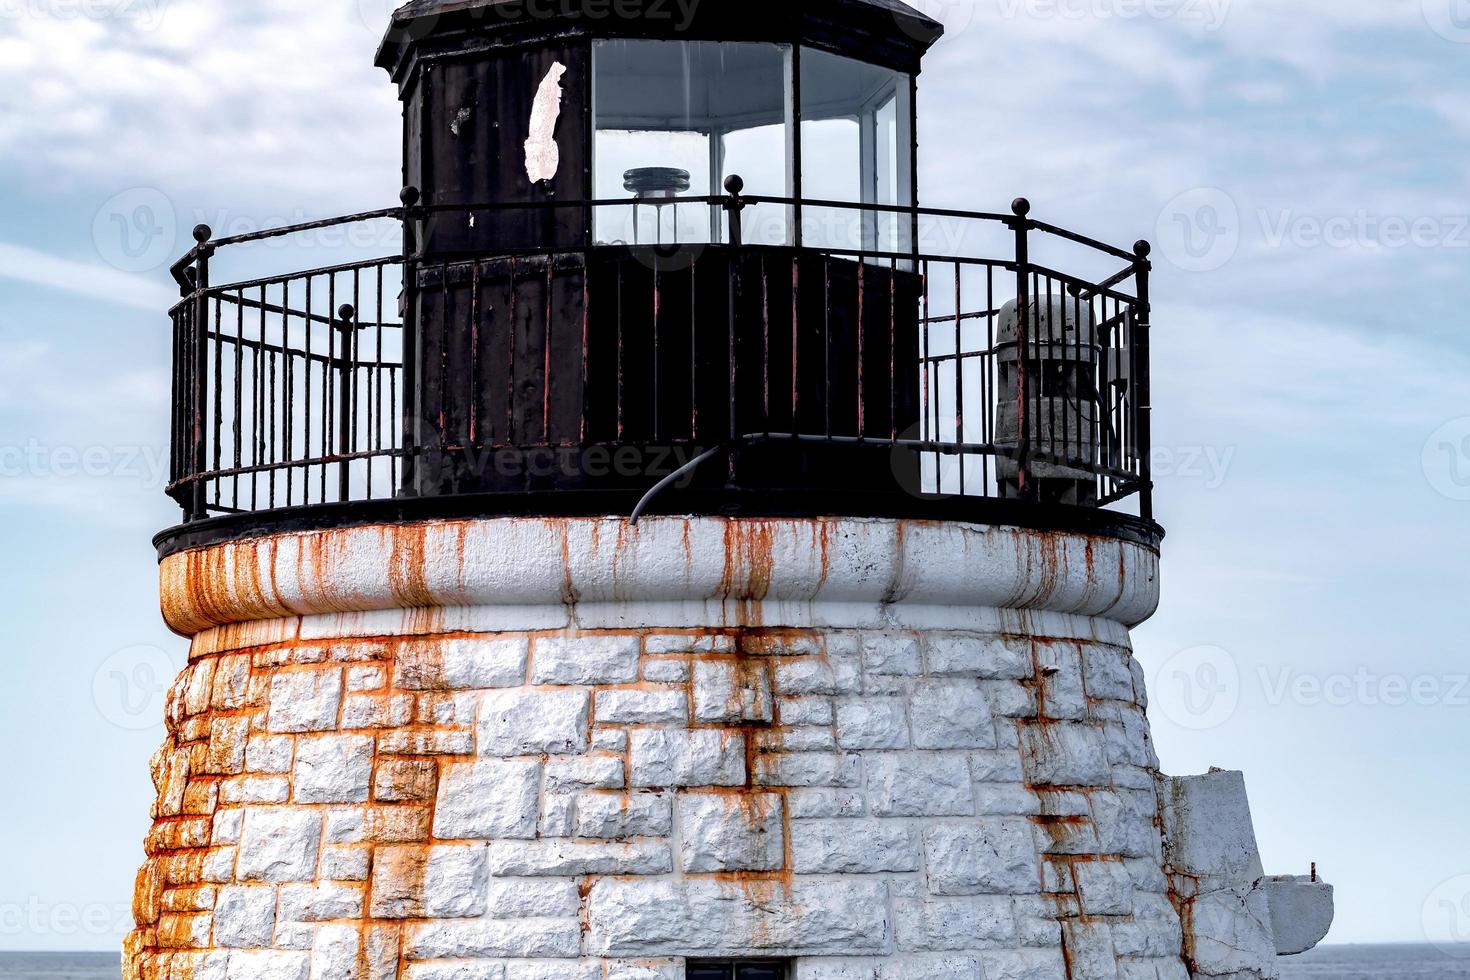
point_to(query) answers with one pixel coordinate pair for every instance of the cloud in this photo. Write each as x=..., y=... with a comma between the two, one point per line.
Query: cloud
x=273, y=95
x=92, y=280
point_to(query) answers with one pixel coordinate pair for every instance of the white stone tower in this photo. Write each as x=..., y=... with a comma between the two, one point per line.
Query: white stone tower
x=856, y=702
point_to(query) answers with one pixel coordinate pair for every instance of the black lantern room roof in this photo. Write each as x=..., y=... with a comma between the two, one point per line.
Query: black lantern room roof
x=885, y=32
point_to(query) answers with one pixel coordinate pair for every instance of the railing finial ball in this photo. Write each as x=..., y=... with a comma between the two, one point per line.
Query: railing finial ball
x=203, y=233
x=346, y=313
x=1142, y=249
x=735, y=183
x=409, y=196
x=1021, y=206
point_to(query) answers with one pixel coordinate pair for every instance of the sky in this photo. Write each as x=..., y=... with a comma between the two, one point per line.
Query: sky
x=1302, y=166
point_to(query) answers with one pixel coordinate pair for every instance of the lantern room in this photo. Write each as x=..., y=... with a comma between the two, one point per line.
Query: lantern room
x=667, y=256
x=647, y=101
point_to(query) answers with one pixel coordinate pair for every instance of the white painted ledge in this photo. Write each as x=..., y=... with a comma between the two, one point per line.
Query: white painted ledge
x=704, y=571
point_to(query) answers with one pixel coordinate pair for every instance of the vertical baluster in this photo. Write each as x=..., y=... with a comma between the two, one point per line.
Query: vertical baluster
x=409, y=342
x=199, y=367
x=1022, y=207
x=346, y=409
x=1144, y=396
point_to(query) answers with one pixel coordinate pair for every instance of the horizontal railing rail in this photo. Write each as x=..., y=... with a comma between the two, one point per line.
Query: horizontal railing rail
x=1000, y=375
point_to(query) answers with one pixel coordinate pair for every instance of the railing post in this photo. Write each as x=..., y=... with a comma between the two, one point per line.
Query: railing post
x=199, y=368
x=1143, y=392
x=1022, y=207
x=347, y=324
x=736, y=207
x=410, y=198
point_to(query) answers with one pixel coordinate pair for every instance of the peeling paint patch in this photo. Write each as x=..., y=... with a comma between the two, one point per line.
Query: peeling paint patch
x=543, y=156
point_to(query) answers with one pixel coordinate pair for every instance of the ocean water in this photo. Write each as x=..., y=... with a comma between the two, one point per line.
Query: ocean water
x=60, y=966
x=1331, y=963
x=1378, y=963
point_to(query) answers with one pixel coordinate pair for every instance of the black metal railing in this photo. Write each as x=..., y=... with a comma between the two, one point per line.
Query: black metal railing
x=995, y=377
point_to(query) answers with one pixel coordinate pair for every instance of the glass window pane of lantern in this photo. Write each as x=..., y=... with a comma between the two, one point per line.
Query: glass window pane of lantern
x=856, y=136
x=675, y=118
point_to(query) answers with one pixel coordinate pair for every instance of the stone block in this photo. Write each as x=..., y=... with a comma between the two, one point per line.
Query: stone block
x=936, y=924
x=1108, y=673
x=965, y=655
x=731, y=832
x=462, y=663
x=641, y=707
x=584, y=772
x=404, y=780
x=988, y=857
x=712, y=918
x=614, y=816
x=267, y=964
x=444, y=882
x=1089, y=949
x=320, y=901
x=1025, y=964
x=819, y=801
x=1062, y=692
x=1302, y=910
x=532, y=898
x=892, y=655
x=872, y=723
x=831, y=674
x=513, y=938
x=523, y=722
x=245, y=917
x=732, y=692
x=568, y=859
x=854, y=846
x=305, y=700
x=585, y=660
x=348, y=952
x=1105, y=887
x=488, y=799
x=667, y=758
x=269, y=753
x=1065, y=754
x=279, y=844
x=333, y=769
x=920, y=784
x=1208, y=828
x=1231, y=932
x=951, y=715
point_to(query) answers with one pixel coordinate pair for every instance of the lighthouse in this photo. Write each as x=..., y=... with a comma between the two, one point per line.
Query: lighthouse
x=686, y=557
